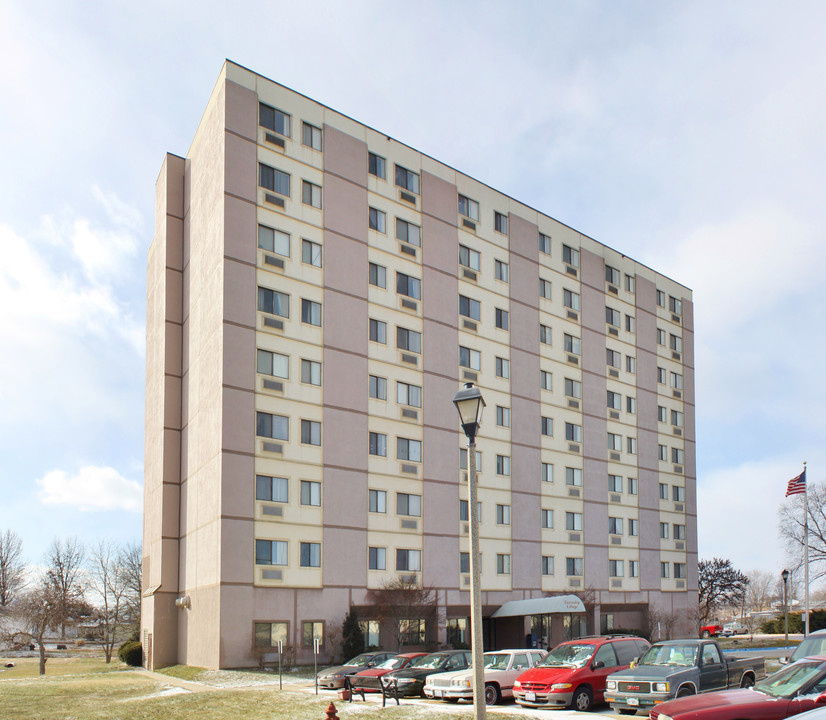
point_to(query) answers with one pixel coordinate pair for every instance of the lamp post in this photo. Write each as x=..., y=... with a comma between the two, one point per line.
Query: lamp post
x=469, y=403
x=785, y=576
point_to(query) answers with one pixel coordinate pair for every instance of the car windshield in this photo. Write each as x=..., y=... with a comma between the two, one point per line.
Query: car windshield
x=568, y=655
x=812, y=645
x=497, y=661
x=393, y=663
x=670, y=655
x=430, y=661
x=360, y=660
x=789, y=680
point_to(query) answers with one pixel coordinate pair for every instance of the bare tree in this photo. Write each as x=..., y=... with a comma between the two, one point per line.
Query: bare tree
x=64, y=563
x=792, y=525
x=131, y=567
x=719, y=585
x=12, y=569
x=761, y=590
x=660, y=623
x=108, y=579
x=37, y=610
x=402, y=605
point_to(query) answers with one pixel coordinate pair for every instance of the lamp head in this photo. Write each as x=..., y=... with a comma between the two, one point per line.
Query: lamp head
x=470, y=404
x=785, y=575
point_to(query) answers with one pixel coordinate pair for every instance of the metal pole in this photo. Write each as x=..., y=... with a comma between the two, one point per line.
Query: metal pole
x=806, y=547
x=479, y=707
x=786, y=604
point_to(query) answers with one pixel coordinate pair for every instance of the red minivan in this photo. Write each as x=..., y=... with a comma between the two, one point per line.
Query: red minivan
x=573, y=674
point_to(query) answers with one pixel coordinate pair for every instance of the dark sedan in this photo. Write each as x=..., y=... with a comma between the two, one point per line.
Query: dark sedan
x=411, y=680
x=332, y=678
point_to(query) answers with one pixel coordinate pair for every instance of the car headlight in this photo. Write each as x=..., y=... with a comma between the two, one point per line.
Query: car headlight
x=561, y=686
x=405, y=681
x=611, y=684
x=661, y=688
x=664, y=717
x=517, y=685
x=460, y=682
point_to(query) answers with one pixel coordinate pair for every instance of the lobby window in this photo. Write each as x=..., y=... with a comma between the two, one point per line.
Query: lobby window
x=378, y=444
x=547, y=565
x=377, y=558
x=503, y=514
x=378, y=387
x=311, y=136
x=544, y=244
x=408, y=232
x=310, y=312
x=272, y=489
x=469, y=208
x=546, y=380
x=612, y=275
x=501, y=319
x=500, y=222
x=408, y=560
x=677, y=456
x=310, y=554
x=573, y=432
x=572, y=344
x=614, y=442
x=570, y=299
x=271, y=363
x=409, y=286
x=408, y=394
x=545, y=289
x=545, y=335
x=616, y=568
x=612, y=317
x=468, y=307
x=310, y=253
x=570, y=256
x=547, y=472
x=615, y=483
x=413, y=631
x=267, y=635
x=378, y=275
x=410, y=450
x=407, y=179
x=310, y=194
x=273, y=302
x=468, y=258
x=503, y=564
x=573, y=567
x=274, y=241
x=614, y=526
x=470, y=358
x=274, y=119
x=378, y=501
x=276, y=427
x=407, y=504
x=409, y=340
x=310, y=372
x=678, y=493
x=310, y=432
x=503, y=367
x=270, y=552
x=378, y=331
x=573, y=477
x=500, y=270
x=377, y=220
x=547, y=519
x=503, y=465
x=310, y=492
x=548, y=426
x=614, y=400
x=503, y=416
x=377, y=165
x=573, y=521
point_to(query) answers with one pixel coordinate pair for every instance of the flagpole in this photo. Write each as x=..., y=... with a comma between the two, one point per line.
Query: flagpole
x=806, y=546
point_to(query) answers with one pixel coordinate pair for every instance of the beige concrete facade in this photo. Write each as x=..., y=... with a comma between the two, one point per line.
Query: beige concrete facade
x=303, y=350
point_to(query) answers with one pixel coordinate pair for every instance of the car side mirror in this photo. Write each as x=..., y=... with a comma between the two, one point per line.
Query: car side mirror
x=783, y=661
x=597, y=664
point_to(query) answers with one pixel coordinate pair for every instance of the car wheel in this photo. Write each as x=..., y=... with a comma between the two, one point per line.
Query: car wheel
x=706, y=633
x=492, y=695
x=685, y=691
x=452, y=700
x=627, y=711
x=582, y=699
x=747, y=682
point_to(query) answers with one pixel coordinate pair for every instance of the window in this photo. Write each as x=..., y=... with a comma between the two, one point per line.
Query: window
x=632, y=486
x=676, y=381
x=500, y=270
x=310, y=194
x=310, y=253
x=547, y=565
x=547, y=472
x=407, y=179
x=409, y=340
x=679, y=531
x=470, y=358
x=310, y=432
x=633, y=568
x=376, y=558
x=408, y=560
x=545, y=335
x=408, y=394
x=378, y=275
x=310, y=312
x=678, y=493
x=267, y=635
x=378, y=387
x=468, y=258
x=501, y=319
x=661, y=298
x=614, y=400
x=408, y=232
x=546, y=380
x=631, y=405
x=675, y=305
x=630, y=323
x=310, y=372
x=503, y=368
x=311, y=136
x=503, y=514
x=572, y=344
x=469, y=208
x=270, y=552
x=661, y=375
x=378, y=331
x=412, y=631
x=680, y=572
x=630, y=283
x=613, y=358
x=573, y=567
x=272, y=489
x=410, y=450
x=664, y=570
x=615, y=483
x=273, y=302
x=664, y=530
x=464, y=562
x=570, y=256
x=463, y=511
x=276, y=427
x=662, y=452
x=633, y=527
x=677, y=418
x=503, y=465
x=676, y=343
x=677, y=456
x=548, y=426
x=273, y=240
x=470, y=308
x=463, y=459
x=409, y=286
x=500, y=222
x=630, y=364
x=573, y=433
x=273, y=119
x=614, y=526
x=458, y=629
x=503, y=564
x=310, y=554
x=378, y=444
x=573, y=476
x=614, y=442
x=544, y=247
x=378, y=501
x=573, y=521
x=376, y=165
x=275, y=364
x=503, y=416
x=570, y=299
x=612, y=317
x=545, y=289
x=547, y=519
x=662, y=414
x=660, y=336
x=377, y=220
x=310, y=492
x=615, y=568
x=612, y=275
x=663, y=491
x=408, y=504
x=631, y=445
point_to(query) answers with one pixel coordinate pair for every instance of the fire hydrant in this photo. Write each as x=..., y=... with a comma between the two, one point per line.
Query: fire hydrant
x=331, y=712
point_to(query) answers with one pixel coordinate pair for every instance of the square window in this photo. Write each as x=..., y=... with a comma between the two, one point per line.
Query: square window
x=409, y=286
x=407, y=179
x=407, y=504
x=572, y=344
x=503, y=564
x=275, y=364
x=310, y=194
x=270, y=552
x=410, y=450
x=468, y=307
x=310, y=492
x=408, y=560
x=570, y=299
x=409, y=340
x=310, y=432
x=273, y=302
x=573, y=521
x=570, y=256
x=573, y=477
x=311, y=136
x=378, y=501
x=310, y=253
x=407, y=394
x=276, y=427
x=378, y=444
x=573, y=567
x=310, y=312
x=615, y=483
x=469, y=258
x=272, y=489
x=470, y=358
x=378, y=275
x=469, y=208
x=408, y=232
x=310, y=372
x=612, y=275
x=378, y=387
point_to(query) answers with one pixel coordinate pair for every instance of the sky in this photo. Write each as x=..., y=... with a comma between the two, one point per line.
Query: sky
x=688, y=136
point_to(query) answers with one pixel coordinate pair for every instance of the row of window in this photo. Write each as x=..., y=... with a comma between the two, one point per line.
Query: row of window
x=280, y=182
x=279, y=122
x=277, y=303
x=277, y=427
x=276, y=552
x=278, y=242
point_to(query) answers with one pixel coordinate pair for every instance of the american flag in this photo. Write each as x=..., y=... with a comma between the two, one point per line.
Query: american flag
x=797, y=485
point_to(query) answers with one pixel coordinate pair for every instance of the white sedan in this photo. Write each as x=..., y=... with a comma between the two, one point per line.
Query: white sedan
x=502, y=667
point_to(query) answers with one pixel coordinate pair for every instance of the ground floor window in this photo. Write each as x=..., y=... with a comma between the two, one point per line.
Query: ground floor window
x=575, y=626
x=268, y=634
x=310, y=630
x=541, y=630
x=412, y=631
x=606, y=623
x=457, y=633
x=370, y=630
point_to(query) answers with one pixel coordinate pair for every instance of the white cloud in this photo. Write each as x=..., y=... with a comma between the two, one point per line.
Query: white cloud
x=91, y=488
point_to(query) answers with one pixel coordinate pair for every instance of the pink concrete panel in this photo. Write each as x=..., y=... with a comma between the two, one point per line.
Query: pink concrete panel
x=174, y=242
x=524, y=238
x=345, y=156
x=440, y=247
x=344, y=558
x=596, y=558
x=239, y=293
x=439, y=199
x=525, y=422
x=172, y=347
x=173, y=174
x=524, y=284
x=526, y=564
x=592, y=270
x=441, y=461
x=346, y=263
x=689, y=432
x=345, y=380
x=172, y=402
x=238, y=421
x=240, y=230
x=594, y=384
x=236, y=626
x=241, y=168
x=647, y=447
x=171, y=454
x=440, y=558
x=237, y=485
x=595, y=444
x=239, y=357
x=525, y=516
x=441, y=350
x=649, y=569
x=173, y=296
x=237, y=551
x=440, y=296
x=345, y=207
x=440, y=500
x=524, y=370
x=345, y=328
x=344, y=435
x=241, y=108
x=170, y=503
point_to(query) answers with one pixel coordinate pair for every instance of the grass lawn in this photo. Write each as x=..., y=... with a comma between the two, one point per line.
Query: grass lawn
x=57, y=666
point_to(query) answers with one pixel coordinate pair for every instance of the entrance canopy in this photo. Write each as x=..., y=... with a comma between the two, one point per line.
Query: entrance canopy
x=541, y=606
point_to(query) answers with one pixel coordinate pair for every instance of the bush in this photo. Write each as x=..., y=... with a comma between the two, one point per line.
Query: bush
x=352, y=636
x=131, y=653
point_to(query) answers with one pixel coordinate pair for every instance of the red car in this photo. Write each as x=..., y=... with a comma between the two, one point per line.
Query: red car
x=711, y=630
x=792, y=690
x=369, y=679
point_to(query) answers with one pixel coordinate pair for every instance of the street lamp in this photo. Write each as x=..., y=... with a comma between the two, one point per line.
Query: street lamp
x=785, y=576
x=470, y=404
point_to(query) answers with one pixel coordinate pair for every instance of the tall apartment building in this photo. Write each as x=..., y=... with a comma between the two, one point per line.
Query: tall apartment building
x=317, y=293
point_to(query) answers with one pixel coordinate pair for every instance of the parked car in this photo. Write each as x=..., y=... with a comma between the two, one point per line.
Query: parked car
x=574, y=672
x=679, y=667
x=502, y=667
x=710, y=630
x=369, y=679
x=411, y=680
x=788, y=692
x=332, y=678
x=734, y=628
x=812, y=645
